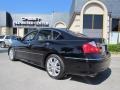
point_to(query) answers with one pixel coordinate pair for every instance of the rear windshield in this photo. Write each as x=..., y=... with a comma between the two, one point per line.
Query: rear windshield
x=1, y=37
x=76, y=34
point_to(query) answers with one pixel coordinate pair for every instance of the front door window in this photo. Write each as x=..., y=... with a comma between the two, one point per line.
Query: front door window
x=30, y=36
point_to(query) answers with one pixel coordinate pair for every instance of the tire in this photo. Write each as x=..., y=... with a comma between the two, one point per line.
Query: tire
x=2, y=45
x=11, y=54
x=55, y=67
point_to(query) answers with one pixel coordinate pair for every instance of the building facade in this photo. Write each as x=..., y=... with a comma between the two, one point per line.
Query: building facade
x=94, y=18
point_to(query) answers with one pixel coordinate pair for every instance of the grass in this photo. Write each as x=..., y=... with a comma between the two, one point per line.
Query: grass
x=114, y=48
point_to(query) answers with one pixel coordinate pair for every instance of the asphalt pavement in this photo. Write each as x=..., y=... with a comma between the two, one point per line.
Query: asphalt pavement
x=21, y=76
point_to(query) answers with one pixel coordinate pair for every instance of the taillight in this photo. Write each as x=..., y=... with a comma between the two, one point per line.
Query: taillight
x=90, y=48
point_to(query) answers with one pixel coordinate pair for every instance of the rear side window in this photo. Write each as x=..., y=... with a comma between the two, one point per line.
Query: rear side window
x=57, y=36
x=1, y=37
x=60, y=37
x=44, y=35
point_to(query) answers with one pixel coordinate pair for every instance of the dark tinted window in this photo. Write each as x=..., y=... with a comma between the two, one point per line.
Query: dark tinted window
x=25, y=31
x=115, y=24
x=30, y=36
x=45, y=35
x=8, y=37
x=1, y=37
x=14, y=31
x=98, y=22
x=55, y=34
x=87, y=21
x=60, y=37
x=93, y=21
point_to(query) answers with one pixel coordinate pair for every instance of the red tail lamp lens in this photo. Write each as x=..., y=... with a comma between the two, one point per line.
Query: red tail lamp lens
x=88, y=48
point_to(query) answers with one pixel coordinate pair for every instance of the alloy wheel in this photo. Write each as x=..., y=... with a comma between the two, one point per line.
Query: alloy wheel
x=11, y=54
x=53, y=66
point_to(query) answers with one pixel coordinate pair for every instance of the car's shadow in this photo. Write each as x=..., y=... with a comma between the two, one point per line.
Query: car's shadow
x=35, y=66
x=3, y=50
x=101, y=77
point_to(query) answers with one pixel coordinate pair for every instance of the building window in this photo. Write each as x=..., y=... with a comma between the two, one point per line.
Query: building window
x=115, y=25
x=98, y=21
x=87, y=21
x=14, y=31
x=93, y=22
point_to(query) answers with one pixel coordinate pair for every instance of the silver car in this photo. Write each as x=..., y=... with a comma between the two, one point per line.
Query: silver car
x=7, y=40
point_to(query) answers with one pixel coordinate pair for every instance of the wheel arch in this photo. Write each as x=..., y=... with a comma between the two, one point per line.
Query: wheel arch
x=47, y=55
x=9, y=49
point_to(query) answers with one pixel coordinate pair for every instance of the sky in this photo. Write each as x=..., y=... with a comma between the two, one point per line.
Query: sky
x=35, y=6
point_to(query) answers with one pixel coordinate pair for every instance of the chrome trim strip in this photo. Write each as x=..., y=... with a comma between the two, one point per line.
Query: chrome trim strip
x=29, y=52
x=84, y=58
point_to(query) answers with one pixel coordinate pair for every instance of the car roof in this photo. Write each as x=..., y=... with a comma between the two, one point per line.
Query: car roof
x=59, y=29
x=62, y=30
x=68, y=34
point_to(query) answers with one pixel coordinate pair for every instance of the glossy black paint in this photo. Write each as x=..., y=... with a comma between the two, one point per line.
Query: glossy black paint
x=69, y=48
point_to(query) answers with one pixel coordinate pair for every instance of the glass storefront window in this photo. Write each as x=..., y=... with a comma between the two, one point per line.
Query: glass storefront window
x=25, y=31
x=93, y=22
x=15, y=31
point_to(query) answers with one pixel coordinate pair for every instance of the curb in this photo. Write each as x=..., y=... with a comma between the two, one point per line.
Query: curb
x=115, y=55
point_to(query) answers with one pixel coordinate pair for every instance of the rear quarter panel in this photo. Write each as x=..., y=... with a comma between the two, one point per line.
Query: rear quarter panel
x=68, y=48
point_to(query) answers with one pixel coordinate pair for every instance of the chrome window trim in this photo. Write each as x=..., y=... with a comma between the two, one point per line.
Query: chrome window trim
x=84, y=58
x=51, y=34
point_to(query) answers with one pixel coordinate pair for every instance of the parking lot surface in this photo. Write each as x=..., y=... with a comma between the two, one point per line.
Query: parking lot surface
x=21, y=76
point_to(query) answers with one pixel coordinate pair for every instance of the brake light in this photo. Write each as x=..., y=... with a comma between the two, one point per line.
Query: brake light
x=90, y=48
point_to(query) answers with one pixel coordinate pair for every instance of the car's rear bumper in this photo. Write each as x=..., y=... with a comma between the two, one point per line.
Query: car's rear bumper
x=86, y=67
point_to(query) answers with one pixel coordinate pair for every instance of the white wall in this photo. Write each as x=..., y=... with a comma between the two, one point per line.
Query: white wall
x=75, y=26
x=60, y=25
x=20, y=32
x=93, y=9
x=113, y=37
x=6, y=31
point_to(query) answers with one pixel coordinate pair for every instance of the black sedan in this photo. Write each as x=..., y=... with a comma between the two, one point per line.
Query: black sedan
x=62, y=52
